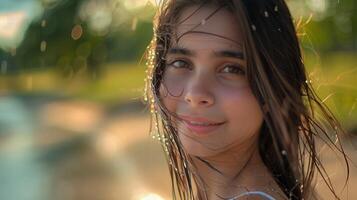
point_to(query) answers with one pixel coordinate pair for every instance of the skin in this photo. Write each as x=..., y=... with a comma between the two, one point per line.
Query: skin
x=200, y=81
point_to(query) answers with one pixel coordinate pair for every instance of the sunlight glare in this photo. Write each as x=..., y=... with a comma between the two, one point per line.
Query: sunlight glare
x=10, y=24
x=133, y=4
x=318, y=5
x=152, y=196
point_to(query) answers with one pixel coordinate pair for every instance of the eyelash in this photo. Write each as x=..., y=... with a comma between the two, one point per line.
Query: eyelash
x=172, y=64
x=237, y=67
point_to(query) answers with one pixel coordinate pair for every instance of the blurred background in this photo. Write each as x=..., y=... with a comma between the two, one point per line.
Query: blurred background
x=73, y=124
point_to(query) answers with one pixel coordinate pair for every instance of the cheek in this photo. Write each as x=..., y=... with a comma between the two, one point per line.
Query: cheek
x=242, y=110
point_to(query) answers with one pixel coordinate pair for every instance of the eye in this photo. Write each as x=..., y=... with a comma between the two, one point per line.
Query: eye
x=233, y=69
x=179, y=64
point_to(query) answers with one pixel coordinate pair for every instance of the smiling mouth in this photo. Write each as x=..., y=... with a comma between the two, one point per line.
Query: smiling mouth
x=200, y=126
x=202, y=129
x=194, y=123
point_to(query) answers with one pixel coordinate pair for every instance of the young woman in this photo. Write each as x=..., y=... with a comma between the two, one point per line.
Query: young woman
x=231, y=102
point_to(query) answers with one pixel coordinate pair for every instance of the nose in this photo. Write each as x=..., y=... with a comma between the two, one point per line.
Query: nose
x=198, y=94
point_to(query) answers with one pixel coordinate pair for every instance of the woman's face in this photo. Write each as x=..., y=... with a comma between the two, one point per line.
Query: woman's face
x=205, y=85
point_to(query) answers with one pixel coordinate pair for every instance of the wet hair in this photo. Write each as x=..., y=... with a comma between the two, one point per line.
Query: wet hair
x=295, y=116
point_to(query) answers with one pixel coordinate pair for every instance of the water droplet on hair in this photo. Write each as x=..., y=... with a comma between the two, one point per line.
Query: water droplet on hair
x=266, y=14
x=276, y=9
x=203, y=22
x=254, y=28
x=284, y=152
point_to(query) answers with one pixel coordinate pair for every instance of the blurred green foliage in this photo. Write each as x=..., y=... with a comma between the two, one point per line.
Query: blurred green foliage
x=332, y=24
x=333, y=76
x=110, y=31
x=82, y=35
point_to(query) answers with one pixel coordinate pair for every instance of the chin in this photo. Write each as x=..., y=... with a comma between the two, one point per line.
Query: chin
x=194, y=147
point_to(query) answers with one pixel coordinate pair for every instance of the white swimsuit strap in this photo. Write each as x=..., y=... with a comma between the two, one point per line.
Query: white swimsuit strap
x=259, y=193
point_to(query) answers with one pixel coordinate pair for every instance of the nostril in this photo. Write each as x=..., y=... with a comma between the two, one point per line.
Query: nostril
x=204, y=102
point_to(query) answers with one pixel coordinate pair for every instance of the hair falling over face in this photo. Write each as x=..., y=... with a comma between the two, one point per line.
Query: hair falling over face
x=294, y=116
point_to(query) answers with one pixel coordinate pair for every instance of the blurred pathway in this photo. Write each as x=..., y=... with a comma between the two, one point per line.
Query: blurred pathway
x=74, y=150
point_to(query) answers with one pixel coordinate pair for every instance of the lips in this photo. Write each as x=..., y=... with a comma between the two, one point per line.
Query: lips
x=199, y=125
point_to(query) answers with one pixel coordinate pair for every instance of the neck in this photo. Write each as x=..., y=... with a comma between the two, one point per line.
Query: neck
x=232, y=172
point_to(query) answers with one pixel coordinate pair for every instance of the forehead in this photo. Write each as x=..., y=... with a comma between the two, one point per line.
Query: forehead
x=208, y=23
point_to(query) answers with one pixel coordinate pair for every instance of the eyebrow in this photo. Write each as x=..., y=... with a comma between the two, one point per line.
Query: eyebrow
x=230, y=54
x=223, y=53
x=181, y=50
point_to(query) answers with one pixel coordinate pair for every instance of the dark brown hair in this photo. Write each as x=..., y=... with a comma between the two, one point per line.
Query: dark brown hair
x=295, y=116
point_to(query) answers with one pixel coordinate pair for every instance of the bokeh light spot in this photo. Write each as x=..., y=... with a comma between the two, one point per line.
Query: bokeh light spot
x=77, y=32
x=43, y=46
x=152, y=196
